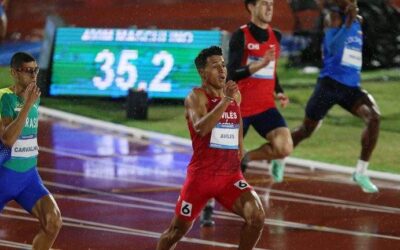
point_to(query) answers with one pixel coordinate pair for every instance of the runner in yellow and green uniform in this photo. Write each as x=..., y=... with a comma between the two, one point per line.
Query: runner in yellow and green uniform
x=19, y=178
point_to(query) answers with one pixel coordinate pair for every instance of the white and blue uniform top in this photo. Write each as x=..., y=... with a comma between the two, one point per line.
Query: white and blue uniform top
x=342, y=50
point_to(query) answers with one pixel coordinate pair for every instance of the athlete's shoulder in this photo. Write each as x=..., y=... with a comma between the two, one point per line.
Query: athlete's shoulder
x=237, y=40
x=239, y=32
x=5, y=92
x=195, y=97
x=200, y=93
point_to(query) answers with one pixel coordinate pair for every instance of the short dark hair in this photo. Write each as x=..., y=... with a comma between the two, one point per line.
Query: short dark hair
x=20, y=58
x=247, y=2
x=201, y=59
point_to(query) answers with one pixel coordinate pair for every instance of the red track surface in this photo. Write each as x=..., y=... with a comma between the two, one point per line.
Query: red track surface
x=119, y=193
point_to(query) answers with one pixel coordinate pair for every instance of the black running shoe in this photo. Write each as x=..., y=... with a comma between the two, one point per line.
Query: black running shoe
x=206, y=217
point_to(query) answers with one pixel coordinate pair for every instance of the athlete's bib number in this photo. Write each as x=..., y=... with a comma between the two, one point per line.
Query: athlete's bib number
x=352, y=58
x=225, y=136
x=267, y=72
x=25, y=148
x=241, y=184
x=186, y=209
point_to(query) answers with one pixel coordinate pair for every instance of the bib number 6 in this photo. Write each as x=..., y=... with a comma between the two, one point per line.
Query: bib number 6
x=186, y=209
x=241, y=184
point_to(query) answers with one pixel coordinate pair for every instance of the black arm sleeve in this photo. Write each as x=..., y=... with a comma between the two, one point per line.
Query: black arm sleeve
x=237, y=72
x=278, y=35
x=278, y=87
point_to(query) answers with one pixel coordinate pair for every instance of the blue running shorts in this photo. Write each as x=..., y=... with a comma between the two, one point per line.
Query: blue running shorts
x=264, y=122
x=25, y=188
x=329, y=92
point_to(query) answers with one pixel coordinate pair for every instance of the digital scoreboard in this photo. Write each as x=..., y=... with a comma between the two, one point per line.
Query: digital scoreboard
x=109, y=62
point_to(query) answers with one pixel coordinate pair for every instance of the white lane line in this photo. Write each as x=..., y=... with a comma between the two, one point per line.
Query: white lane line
x=328, y=178
x=327, y=204
x=324, y=201
x=324, y=229
x=230, y=216
x=334, y=178
x=86, y=224
x=335, y=201
x=121, y=196
x=108, y=177
x=14, y=244
x=351, y=204
x=113, y=203
x=169, y=185
x=158, y=209
x=303, y=226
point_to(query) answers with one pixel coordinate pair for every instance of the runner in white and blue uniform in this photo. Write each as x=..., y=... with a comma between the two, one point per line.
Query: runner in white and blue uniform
x=339, y=83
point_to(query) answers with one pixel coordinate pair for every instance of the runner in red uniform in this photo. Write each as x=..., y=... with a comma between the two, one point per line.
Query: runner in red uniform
x=253, y=55
x=214, y=121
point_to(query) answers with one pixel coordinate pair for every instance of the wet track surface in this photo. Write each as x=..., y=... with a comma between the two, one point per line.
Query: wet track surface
x=119, y=192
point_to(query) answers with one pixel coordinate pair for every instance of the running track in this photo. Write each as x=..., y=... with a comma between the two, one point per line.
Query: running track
x=119, y=192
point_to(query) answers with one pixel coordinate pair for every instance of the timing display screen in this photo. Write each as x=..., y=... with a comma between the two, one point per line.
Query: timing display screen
x=109, y=62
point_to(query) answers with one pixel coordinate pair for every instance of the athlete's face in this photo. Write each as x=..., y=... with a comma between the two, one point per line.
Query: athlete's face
x=26, y=74
x=262, y=11
x=215, y=72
